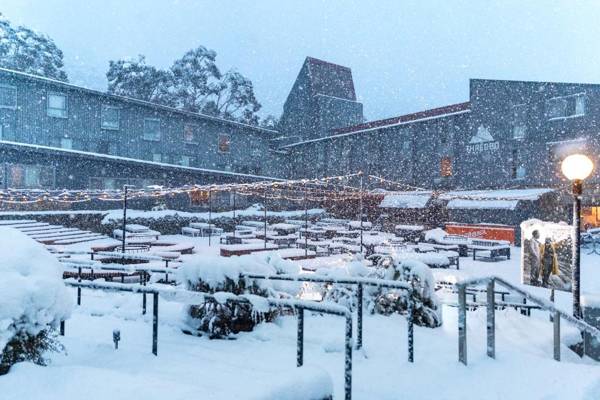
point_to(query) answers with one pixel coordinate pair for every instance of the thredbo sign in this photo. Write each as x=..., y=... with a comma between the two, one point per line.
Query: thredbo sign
x=482, y=141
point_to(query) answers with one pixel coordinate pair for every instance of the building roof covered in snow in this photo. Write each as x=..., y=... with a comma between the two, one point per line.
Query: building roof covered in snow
x=416, y=199
x=492, y=199
x=421, y=116
x=407, y=118
x=70, y=86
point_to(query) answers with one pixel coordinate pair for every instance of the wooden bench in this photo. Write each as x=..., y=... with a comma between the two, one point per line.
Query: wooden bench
x=496, y=249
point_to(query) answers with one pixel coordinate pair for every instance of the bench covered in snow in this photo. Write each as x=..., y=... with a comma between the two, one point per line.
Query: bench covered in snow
x=229, y=250
x=118, y=234
x=493, y=249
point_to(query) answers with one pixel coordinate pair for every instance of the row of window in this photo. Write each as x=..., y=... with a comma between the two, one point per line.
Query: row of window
x=57, y=107
x=556, y=108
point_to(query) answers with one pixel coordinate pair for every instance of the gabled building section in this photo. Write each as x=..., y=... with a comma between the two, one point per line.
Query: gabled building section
x=322, y=99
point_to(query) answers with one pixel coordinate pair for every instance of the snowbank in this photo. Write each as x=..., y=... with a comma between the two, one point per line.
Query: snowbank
x=33, y=297
x=435, y=235
x=307, y=384
x=215, y=270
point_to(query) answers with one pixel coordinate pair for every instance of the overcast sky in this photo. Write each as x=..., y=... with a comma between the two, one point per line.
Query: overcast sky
x=405, y=55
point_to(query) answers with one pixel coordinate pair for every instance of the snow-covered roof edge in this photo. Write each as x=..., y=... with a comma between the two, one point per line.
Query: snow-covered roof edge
x=414, y=121
x=530, y=194
x=136, y=101
x=135, y=160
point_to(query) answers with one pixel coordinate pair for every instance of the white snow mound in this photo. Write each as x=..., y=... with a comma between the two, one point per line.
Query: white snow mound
x=33, y=296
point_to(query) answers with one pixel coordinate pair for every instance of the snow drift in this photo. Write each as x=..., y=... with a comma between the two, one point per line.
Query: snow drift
x=33, y=297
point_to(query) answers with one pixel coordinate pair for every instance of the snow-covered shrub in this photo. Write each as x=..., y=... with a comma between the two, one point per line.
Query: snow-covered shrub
x=220, y=274
x=427, y=309
x=33, y=300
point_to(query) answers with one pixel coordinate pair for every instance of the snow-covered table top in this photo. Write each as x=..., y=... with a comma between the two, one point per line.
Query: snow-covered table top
x=136, y=228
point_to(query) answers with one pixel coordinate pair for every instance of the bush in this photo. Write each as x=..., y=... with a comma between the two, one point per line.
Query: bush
x=221, y=276
x=33, y=300
x=427, y=310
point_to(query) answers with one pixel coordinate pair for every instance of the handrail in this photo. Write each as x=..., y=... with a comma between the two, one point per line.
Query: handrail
x=359, y=281
x=544, y=304
x=490, y=281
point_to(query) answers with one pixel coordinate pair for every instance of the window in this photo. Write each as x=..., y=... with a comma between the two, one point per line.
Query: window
x=224, y=144
x=566, y=106
x=104, y=147
x=22, y=176
x=8, y=96
x=57, y=105
x=517, y=169
x=189, y=133
x=446, y=167
x=152, y=129
x=580, y=105
x=110, y=117
x=156, y=157
x=519, y=121
x=66, y=143
x=185, y=161
x=519, y=131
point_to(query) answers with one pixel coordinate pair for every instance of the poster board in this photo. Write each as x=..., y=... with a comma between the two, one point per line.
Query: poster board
x=546, y=254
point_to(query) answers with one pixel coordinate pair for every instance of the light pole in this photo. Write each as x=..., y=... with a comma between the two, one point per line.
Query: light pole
x=125, y=187
x=576, y=168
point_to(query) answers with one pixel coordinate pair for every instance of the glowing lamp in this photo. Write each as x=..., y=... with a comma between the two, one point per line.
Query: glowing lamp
x=577, y=167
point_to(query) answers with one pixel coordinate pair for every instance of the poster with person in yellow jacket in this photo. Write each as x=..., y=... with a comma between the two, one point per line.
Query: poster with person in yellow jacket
x=546, y=254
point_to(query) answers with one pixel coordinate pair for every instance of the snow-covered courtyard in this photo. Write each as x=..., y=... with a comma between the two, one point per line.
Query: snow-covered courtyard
x=261, y=364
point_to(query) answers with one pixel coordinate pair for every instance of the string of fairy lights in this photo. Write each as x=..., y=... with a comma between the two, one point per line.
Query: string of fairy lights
x=331, y=188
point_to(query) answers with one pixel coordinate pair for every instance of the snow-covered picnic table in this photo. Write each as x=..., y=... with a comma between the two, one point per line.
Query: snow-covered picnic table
x=228, y=250
x=353, y=225
x=284, y=228
x=148, y=233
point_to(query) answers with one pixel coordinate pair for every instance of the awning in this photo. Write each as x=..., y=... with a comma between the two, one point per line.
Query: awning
x=405, y=200
x=483, y=204
x=491, y=199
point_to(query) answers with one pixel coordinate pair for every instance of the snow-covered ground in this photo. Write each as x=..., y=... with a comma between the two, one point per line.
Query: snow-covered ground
x=258, y=364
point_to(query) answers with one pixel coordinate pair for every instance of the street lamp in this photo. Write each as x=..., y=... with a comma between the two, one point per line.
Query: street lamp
x=576, y=168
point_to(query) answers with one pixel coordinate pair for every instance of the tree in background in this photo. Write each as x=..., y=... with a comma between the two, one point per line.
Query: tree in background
x=24, y=50
x=136, y=79
x=269, y=122
x=233, y=98
x=195, y=77
x=194, y=83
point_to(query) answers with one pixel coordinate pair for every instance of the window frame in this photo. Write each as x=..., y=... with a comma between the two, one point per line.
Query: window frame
x=219, y=144
x=110, y=128
x=7, y=107
x=66, y=148
x=446, y=170
x=152, y=139
x=189, y=160
x=194, y=128
x=48, y=108
x=568, y=112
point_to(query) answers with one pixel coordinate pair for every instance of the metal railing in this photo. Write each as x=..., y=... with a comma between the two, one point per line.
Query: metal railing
x=490, y=283
x=360, y=283
x=192, y=297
